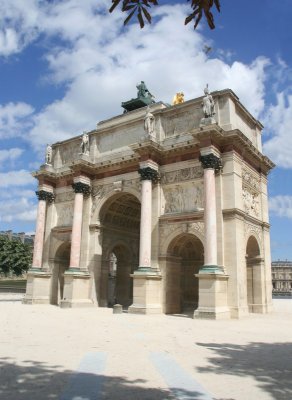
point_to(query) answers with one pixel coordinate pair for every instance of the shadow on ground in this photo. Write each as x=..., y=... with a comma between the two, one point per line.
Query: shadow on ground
x=38, y=381
x=270, y=364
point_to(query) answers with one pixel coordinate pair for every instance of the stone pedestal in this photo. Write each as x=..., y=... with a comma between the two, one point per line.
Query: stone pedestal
x=76, y=289
x=213, y=296
x=207, y=121
x=37, y=287
x=146, y=293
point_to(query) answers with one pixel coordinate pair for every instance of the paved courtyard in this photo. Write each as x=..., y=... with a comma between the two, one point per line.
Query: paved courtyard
x=50, y=353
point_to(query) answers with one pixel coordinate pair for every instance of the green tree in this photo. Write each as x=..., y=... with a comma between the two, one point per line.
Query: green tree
x=15, y=256
x=140, y=8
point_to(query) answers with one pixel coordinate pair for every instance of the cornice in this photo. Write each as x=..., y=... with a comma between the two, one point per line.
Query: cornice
x=236, y=212
x=183, y=217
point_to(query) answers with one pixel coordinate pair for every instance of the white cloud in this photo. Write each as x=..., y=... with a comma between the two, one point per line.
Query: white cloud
x=19, y=24
x=281, y=206
x=16, y=178
x=10, y=154
x=14, y=119
x=278, y=120
x=100, y=64
x=17, y=198
x=17, y=209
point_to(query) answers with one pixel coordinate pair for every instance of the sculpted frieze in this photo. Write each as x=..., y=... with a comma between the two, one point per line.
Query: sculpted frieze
x=196, y=226
x=250, y=180
x=183, y=198
x=181, y=175
x=133, y=184
x=98, y=192
x=251, y=202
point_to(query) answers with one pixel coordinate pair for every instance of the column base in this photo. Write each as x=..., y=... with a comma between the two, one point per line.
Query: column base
x=76, y=289
x=212, y=295
x=259, y=308
x=146, y=292
x=38, y=287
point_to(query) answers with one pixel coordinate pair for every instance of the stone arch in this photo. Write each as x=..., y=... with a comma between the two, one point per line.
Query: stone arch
x=172, y=231
x=255, y=281
x=60, y=265
x=120, y=220
x=120, y=284
x=180, y=264
x=101, y=200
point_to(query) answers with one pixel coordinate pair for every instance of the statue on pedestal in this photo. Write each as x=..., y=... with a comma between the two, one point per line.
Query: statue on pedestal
x=84, y=144
x=144, y=98
x=149, y=122
x=208, y=104
x=49, y=153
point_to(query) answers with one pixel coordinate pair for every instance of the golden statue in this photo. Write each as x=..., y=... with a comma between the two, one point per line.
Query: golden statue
x=178, y=98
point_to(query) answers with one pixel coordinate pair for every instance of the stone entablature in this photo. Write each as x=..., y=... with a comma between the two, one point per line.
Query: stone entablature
x=170, y=123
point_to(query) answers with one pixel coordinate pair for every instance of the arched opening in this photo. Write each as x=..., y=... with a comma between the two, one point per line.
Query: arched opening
x=253, y=274
x=61, y=264
x=120, y=219
x=120, y=285
x=185, y=256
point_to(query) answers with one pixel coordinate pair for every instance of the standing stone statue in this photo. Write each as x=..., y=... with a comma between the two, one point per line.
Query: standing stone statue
x=49, y=153
x=149, y=122
x=208, y=104
x=85, y=144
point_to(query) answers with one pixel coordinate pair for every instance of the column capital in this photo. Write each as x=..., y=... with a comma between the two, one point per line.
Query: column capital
x=80, y=187
x=149, y=174
x=45, y=195
x=211, y=161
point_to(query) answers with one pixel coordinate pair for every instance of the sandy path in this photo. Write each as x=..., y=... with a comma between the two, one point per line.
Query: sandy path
x=42, y=347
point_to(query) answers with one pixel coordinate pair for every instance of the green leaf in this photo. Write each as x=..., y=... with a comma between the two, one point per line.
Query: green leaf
x=140, y=18
x=147, y=15
x=130, y=16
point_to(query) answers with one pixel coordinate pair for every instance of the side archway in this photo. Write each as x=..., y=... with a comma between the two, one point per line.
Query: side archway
x=61, y=264
x=185, y=255
x=254, y=276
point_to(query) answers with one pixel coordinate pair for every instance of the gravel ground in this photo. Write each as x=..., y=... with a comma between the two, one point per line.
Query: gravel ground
x=91, y=354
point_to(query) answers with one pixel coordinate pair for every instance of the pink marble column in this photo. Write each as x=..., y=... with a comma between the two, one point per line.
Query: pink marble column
x=80, y=189
x=210, y=163
x=148, y=175
x=43, y=196
x=210, y=250
x=145, y=224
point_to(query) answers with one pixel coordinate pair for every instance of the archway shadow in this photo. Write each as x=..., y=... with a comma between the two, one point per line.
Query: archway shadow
x=38, y=381
x=270, y=364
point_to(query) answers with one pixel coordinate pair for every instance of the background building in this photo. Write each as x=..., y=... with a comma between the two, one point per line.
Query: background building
x=282, y=278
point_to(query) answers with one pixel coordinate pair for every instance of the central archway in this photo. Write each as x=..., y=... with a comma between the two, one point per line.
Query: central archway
x=120, y=218
x=185, y=256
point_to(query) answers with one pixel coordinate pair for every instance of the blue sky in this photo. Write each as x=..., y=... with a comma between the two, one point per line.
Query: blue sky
x=65, y=65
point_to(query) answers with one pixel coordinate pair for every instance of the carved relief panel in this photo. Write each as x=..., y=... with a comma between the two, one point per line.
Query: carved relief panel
x=183, y=198
x=251, y=193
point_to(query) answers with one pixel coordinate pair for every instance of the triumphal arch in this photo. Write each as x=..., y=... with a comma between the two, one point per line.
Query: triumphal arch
x=162, y=209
